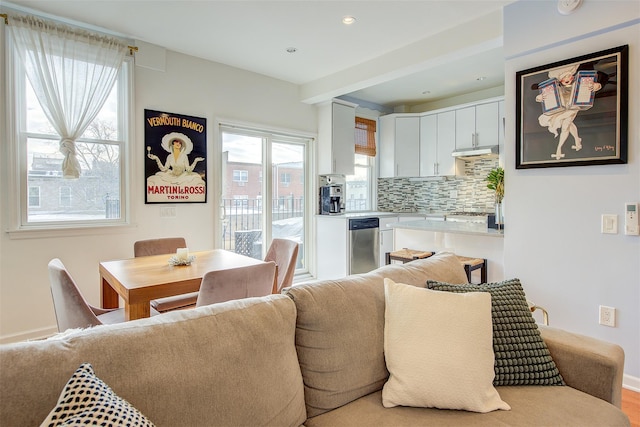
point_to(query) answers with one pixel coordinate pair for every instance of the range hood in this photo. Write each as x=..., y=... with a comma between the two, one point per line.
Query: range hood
x=485, y=151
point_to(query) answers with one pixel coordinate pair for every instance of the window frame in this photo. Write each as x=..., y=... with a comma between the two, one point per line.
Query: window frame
x=15, y=153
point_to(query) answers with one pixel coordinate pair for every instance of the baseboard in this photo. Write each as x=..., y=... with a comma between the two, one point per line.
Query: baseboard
x=34, y=334
x=631, y=383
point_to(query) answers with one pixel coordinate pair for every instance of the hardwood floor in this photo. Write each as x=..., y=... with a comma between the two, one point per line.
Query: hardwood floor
x=631, y=406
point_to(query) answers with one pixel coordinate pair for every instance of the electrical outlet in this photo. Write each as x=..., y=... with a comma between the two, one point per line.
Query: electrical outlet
x=607, y=316
x=453, y=194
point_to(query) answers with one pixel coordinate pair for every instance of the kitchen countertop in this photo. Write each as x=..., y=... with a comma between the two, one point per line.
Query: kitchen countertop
x=450, y=227
x=382, y=214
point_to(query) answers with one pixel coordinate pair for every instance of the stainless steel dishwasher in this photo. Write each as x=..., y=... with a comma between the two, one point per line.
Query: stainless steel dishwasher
x=364, y=249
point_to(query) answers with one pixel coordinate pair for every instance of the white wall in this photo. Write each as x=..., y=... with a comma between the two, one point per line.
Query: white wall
x=189, y=86
x=553, y=241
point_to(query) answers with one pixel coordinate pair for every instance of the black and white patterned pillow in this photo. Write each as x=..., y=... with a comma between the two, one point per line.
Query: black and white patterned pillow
x=521, y=356
x=86, y=399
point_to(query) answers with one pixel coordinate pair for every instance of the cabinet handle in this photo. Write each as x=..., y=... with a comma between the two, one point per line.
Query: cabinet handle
x=434, y=168
x=381, y=238
x=473, y=140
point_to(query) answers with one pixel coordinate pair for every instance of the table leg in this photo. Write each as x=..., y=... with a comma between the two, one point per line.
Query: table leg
x=109, y=295
x=137, y=310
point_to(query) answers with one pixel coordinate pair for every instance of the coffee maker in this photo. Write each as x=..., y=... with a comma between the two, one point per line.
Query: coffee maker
x=331, y=199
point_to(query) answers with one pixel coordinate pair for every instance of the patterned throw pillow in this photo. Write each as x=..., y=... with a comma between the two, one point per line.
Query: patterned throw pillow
x=86, y=399
x=521, y=356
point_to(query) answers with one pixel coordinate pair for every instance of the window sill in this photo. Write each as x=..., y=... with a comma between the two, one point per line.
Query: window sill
x=73, y=231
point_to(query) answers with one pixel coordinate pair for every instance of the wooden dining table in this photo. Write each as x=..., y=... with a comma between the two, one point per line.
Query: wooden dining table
x=142, y=279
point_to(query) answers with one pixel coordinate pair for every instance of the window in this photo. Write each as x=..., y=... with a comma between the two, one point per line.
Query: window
x=240, y=176
x=285, y=179
x=47, y=199
x=360, y=185
x=34, y=197
x=65, y=197
x=241, y=200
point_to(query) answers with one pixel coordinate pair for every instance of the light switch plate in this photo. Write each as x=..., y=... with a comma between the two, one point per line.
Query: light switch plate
x=609, y=224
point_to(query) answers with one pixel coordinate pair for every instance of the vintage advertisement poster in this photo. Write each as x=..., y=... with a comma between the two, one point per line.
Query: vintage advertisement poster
x=175, y=158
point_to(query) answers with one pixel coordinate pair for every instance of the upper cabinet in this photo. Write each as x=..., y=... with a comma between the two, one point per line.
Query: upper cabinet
x=336, y=137
x=420, y=145
x=478, y=125
x=399, y=145
x=437, y=141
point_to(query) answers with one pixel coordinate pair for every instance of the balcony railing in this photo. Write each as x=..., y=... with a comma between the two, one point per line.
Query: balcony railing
x=242, y=226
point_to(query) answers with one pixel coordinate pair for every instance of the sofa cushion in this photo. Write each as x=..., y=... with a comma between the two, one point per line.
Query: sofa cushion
x=340, y=325
x=226, y=364
x=86, y=399
x=530, y=406
x=522, y=357
x=438, y=349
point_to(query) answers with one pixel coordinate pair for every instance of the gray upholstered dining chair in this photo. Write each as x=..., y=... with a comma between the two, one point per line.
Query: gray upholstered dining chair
x=237, y=283
x=284, y=252
x=166, y=245
x=72, y=310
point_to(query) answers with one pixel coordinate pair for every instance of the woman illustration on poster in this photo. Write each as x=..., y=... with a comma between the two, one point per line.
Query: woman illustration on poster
x=176, y=170
x=563, y=118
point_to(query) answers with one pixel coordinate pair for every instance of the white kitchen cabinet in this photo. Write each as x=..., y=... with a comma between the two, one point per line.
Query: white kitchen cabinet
x=386, y=237
x=399, y=145
x=437, y=142
x=336, y=137
x=332, y=245
x=477, y=125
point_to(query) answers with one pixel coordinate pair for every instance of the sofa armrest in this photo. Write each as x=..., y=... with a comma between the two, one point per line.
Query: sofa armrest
x=587, y=364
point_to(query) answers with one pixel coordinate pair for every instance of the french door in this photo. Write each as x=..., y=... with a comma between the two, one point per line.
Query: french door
x=265, y=191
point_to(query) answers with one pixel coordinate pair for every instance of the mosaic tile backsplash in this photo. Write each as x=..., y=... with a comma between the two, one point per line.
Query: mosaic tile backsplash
x=403, y=195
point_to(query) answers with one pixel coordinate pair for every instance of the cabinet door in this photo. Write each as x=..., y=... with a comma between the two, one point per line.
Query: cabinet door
x=407, y=146
x=343, y=139
x=487, y=124
x=332, y=255
x=386, y=146
x=465, y=127
x=428, y=145
x=446, y=143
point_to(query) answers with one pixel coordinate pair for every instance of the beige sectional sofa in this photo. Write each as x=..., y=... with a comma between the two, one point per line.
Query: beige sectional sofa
x=313, y=356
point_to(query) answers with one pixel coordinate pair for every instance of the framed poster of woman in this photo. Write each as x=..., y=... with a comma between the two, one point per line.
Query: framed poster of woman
x=573, y=112
x=175, y=158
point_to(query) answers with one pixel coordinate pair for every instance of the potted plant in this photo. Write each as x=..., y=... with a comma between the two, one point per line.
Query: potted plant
x=495, y=182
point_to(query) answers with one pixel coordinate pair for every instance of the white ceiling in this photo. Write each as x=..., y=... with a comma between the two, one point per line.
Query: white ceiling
x=254, y=35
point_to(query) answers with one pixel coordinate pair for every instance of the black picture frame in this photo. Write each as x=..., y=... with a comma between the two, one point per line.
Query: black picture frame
x=180, y=175
x=573, y=112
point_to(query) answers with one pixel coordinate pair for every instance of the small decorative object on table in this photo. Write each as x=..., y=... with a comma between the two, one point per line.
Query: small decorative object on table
x=182, y=257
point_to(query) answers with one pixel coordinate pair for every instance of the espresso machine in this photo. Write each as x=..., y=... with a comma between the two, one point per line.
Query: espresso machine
x=331, y=197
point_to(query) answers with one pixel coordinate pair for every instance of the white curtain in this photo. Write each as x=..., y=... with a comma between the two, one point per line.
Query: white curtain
x=72, y=72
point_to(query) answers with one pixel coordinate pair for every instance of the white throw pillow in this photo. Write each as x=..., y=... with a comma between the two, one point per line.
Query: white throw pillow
x=439, y=349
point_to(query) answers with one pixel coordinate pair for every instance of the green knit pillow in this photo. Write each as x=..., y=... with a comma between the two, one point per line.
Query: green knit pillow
x=521, y=356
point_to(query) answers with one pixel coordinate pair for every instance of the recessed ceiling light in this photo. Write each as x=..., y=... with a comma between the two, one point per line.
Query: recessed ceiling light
x=292, y=49
x=481, y=78
x=348, y=20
